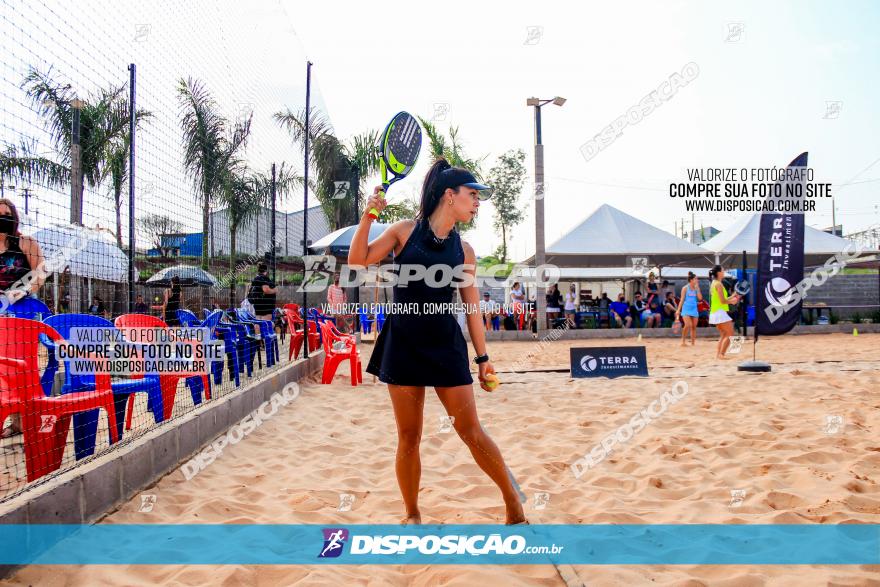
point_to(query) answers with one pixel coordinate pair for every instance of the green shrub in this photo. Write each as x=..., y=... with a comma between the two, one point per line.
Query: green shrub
x=833, y=318
x=875, y=317
x=856, y=318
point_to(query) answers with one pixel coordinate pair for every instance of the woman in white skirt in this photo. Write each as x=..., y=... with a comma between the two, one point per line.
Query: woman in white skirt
x=719, y=305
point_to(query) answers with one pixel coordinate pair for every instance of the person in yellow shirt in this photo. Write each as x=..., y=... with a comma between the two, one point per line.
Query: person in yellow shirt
x=719, y=305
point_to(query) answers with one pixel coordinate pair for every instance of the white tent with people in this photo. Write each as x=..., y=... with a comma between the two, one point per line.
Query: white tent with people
x=742, y=235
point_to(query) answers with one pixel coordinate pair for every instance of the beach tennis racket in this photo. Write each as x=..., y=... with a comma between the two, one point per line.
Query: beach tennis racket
x=400, y=146
x=742, y=288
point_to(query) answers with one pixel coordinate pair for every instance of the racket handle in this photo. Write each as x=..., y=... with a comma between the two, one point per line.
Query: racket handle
x=373, y=213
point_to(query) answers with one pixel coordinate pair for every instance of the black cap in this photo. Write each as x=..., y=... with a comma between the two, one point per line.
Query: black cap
x=455, y=177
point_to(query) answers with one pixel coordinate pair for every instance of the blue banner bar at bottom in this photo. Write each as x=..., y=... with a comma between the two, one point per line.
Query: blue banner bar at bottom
x=287, y=544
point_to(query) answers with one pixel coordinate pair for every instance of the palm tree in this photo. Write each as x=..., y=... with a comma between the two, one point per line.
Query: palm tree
x=332, y=160
x=117, y=163
x=241, y=195
x=211, y=150
x=453, y=152
x=103, y=122
x=286, y=181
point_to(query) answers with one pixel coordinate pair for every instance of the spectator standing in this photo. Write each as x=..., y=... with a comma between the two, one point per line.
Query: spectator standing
x=262, y=293
x=140, y=307
x=554, y=304
x=172, y=302
x=336, y=300
x=570, y=306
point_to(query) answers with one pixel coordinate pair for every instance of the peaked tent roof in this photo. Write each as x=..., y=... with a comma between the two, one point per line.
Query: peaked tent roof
x=608, y=236
x=742, y=235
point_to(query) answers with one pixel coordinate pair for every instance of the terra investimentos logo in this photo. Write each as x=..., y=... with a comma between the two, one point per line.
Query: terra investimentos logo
x=608, y=361
x=589, y=363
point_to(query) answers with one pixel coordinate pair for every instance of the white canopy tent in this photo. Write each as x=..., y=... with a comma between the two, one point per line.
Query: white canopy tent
x=527, y=274
x=742, y=235
x=606, y=247
x=611, y=238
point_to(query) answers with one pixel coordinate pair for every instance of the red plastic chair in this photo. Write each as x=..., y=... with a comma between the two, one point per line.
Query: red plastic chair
x=167, y=382
x=295, y=327
x=333, y=357
x=45, y=420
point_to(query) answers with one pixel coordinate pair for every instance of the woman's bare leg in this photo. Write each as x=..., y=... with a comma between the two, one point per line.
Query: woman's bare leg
x=726, y=330
x=459, y=403
x=408, y=403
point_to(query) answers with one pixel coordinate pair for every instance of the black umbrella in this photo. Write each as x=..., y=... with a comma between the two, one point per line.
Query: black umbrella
x=189, y=276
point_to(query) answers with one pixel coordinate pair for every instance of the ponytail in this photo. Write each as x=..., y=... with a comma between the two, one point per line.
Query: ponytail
x=430, y=197
x=691, y=275
x=714, y=271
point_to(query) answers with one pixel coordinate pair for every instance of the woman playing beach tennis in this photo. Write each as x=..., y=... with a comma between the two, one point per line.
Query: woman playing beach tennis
x=687, y=308
x=718, y=315
x=419, y=350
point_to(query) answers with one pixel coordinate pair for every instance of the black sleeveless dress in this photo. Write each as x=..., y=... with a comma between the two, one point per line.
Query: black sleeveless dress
x=423, y=349
x=14, y=263
x=172, y=307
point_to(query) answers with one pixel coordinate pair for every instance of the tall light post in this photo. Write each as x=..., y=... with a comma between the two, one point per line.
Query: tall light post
x=76, y=176
x=540, y=300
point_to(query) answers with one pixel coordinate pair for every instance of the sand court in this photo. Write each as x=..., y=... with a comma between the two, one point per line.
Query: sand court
x=795, y=446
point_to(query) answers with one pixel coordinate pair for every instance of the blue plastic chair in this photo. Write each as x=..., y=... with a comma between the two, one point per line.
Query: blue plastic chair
x=240, y=337
x=85, y=425
x=366, y=322
x=380, y=319
x=267, y=334
x=189, y=320
x=28, y=307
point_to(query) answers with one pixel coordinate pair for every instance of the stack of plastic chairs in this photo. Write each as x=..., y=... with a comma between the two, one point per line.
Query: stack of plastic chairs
x=339, y=347
x=45, y=419
x=241, y=335
x=295, y=325
x=196, y=383
x=189, y=320
x=266, y=334
x=85, y=424
x=366, y=321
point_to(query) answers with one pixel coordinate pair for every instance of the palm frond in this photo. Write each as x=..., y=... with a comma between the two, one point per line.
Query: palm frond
x=52, y=101
x=436, y=140
x=295, y=124
x=23, y=164
x=203, y=130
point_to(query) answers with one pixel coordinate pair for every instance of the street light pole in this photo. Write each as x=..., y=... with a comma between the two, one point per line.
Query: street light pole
x=540, y=191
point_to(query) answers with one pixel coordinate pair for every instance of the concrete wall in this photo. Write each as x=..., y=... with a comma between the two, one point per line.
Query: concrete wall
x=849, y=290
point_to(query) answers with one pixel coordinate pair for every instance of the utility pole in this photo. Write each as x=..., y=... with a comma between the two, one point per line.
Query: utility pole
x=76, y=179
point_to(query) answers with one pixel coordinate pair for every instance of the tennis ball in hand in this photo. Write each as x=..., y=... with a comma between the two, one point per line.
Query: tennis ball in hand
x=490, y=382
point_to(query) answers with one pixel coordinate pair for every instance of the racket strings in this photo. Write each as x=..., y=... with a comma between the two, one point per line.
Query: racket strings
x=405, y=140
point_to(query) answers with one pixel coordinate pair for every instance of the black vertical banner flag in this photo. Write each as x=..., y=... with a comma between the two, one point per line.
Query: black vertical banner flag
x=780, y=262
